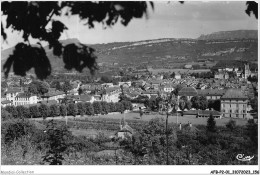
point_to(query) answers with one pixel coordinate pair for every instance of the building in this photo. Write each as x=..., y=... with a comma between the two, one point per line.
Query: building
x=12, y=93
x=25, y=99
x=53, y=95
x=168, y=88
x=247, y=71
x=177, y=76
x=126, y=84
x=212, y=94
x=125, y=131
x=5, y=103
x=234, y=104
x=188, y=92
x=188, y=66
x=150, y=93
x=205, y=113
x=221, y=75
x=156, y=83
x=84, y=98
x=110, y=94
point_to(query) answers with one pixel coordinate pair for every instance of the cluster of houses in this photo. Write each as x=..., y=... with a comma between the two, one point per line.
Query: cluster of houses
x=223, y=73
x=234, y=101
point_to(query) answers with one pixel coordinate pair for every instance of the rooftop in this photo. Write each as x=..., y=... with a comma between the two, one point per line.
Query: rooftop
x=188, y=91
x=24, y=95
x=212, y=92
x=6, y=102
x=83, y=97
x=234, y=94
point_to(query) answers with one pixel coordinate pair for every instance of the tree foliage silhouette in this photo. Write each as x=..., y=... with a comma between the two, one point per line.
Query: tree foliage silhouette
x=35, y=20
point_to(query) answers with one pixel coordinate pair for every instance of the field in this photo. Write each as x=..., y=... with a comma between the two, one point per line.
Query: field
x=156, y=71
x=172, y=119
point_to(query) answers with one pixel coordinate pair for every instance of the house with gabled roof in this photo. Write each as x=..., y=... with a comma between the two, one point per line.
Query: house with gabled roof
x=25, y=99
x=110, y=94
x=5, y=103
x=53, y=95
x=11, y=93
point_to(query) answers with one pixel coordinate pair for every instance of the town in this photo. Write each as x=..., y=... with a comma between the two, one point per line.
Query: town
x=164, y=94
x=234, y=97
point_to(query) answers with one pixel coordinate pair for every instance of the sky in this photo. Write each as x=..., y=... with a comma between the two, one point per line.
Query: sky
x=167, y=20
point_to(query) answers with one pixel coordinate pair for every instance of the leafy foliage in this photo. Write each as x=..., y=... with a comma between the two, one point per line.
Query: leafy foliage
x=44, y=111
x=211, y=124
x=38, y=87
x=182, y=104
x=63, y=110
x=72, y=109
x=32, y=18
x=54, y=110
x=89, y=108
x=188, y=105
x=34, y=112
x=81, y=109
x=252, y=131
x=12, y=110
x=5, y=115
x=15, y=129
x=97, y=107
x=57, y=143
x=105, y=107
x=231, y=125
x=252, y=7
x=66, y=86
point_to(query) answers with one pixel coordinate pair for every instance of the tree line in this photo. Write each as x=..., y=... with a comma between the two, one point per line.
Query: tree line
x=197, y=102
x=73, y=109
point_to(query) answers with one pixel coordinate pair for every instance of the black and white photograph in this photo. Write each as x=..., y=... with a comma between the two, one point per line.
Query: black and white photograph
x=129, y=83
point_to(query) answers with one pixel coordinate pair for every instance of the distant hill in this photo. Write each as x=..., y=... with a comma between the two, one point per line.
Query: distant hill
x=236, y=34
x=166, y=52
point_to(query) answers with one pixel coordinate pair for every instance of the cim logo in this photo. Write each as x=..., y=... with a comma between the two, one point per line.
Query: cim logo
x=244, y=158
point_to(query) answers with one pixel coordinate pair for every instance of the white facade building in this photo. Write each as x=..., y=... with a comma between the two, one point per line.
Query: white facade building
x=25, y=99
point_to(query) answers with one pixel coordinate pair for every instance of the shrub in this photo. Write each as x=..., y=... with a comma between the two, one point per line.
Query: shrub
x=63, y=110
x=105, y=107
x=57, y=138
x=21, y=112
x=5, y=115
x=119, y=107
x=127, y=105
x=34, y=112
x=44, y=111
x=211, y=124
x=12, y=110
x=97, y=107
x=231, y=125
x=72, y=109
x=112, y=107
x=14, y=129
x=81, y=109
x=89, y=108
x=54, y=110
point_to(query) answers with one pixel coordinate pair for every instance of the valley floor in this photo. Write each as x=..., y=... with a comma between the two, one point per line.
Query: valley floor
x=172, y=119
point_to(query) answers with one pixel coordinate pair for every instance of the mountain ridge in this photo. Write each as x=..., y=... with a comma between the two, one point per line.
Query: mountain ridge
x=234, y=34
x=163, y=51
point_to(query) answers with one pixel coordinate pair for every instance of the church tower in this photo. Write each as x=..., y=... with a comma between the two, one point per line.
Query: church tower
x=247, y=71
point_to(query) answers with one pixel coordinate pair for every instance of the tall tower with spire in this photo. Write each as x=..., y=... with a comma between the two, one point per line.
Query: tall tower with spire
x=247, y=71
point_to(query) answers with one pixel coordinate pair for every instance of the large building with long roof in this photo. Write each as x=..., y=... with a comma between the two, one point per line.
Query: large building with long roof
x=189, y=92
x=234, y=104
